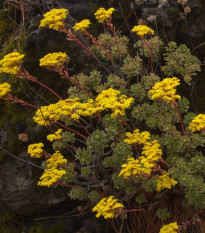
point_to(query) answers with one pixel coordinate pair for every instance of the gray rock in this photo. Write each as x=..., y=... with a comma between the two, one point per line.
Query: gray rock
x=19, y=190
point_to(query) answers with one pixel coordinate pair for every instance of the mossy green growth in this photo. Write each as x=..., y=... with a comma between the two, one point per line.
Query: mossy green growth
x=42, y=228
x=8, y=221
x=6, y=27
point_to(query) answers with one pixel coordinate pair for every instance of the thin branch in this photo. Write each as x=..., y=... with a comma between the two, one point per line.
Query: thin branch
x=22, y=160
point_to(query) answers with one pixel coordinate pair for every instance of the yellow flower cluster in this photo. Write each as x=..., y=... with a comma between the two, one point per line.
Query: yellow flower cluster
x=198, y=123
x=169, y=228
x=107, y=207
x=61, y=109
x=53, y=59
x=54, y=18
x=151, y=153
x=165, y=90
x=165, y=181
x=51, y=174
x=137, y=137
x=82, y=25
x=142, y=30
x=35, y=150
x=11, y=62
x=72, y=108
x=89, y=108
x=56, y=160
x=55, y=136
x=102, y=15
x=110, y=99
x=4, y=89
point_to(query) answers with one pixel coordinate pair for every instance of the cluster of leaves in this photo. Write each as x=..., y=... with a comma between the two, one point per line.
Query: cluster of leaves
x=103, y=156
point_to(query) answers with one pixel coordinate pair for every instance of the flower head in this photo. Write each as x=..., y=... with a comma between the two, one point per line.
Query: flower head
x=53, y=59
x=68, y=108
x=151, y=153
x=4, y=89
x=165, y=181
x=169, y=228
x=55, y=160
x=102, y=15
x=82, y=26
x=54, y=18
x=165, y=90
x=11, y=62
x=107, y=207
x=111, y=99
x=50, y=176
x=137, y=137
x=198, y=123
x=55, y=136
x=35, y=150
x=142, y=30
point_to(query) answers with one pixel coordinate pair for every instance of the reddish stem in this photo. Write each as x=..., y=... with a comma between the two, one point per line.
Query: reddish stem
x=9, y=97
x=70, y=186
x=125, y=123
x=100, y=118
x=71, y=147
x=149, y=51
x=72, y=130
x=133, y=210
x=162, y=161
x=83, y=127
x=64, y=167
x=70, y=79
x=88, y=50
x=180, y=117
x=97, y=42
x=29, y=77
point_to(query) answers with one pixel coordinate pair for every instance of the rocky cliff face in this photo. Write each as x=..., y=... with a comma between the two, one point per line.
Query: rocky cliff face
x=19, y=190
x=18, y=186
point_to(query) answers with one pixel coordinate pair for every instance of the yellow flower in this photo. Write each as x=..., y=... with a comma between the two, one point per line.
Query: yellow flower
x=169, y=228
x=107, y=207
x=137, y=137
x=35, y=150
x=54, y=19
x=11, y=62
x=56, y=160
x=53, y=59
x=198, y=123
x=50, y=176
x=165, y=181
x=72, y=108
x=165, y=90
x=142, y=30
x=82, y=26
x=4, y=89
x=132, y=168
x=89, y=108
x=151, y=153
x=111, y=99
x=102, y=15
x=54, y=112
x=55, y=136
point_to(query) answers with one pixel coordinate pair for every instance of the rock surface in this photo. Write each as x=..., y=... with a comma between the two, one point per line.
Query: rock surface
x=19, y=190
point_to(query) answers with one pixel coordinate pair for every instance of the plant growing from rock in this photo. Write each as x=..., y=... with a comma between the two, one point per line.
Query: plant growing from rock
x=123, y=139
